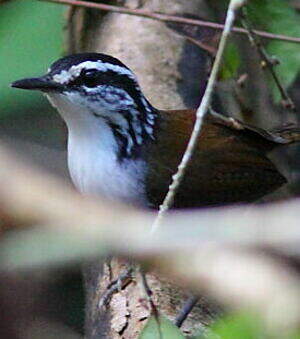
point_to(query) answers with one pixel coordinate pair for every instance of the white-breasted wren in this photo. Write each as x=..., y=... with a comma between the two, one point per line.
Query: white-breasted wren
x=122, y=147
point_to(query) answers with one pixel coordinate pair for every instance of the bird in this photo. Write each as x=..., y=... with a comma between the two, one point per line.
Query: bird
x=121, y=147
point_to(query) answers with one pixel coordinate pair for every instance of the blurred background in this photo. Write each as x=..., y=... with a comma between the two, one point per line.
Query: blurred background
x=49, y=303
x=31, y=39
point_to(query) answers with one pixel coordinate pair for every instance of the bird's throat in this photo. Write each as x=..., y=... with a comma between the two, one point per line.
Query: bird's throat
x=131, y=127
x=96, y=170
x=97, y=157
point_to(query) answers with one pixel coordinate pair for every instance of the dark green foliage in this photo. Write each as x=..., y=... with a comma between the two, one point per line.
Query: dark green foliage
x=30, y=38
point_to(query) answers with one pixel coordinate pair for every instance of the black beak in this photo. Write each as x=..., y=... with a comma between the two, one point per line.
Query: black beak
x=43, y=84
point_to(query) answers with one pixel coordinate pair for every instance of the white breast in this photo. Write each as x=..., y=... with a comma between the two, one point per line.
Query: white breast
x=92, y=157
x=95, y=170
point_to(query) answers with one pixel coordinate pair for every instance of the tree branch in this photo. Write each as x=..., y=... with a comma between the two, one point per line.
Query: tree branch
x=201, y=254
x=202, y=110
x=170, y=18
x=287, y=102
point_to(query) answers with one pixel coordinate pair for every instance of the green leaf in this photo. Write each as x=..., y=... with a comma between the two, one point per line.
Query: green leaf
x=160, y=328
x=278, y=17
x=200, y=335
x=31, y=36
x=231, y=62
x=238, y=326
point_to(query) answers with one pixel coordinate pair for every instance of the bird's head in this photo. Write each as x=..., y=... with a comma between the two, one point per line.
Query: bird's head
x=98, y=85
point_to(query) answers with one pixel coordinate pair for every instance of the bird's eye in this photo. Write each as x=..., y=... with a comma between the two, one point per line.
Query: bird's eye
x=89, y=77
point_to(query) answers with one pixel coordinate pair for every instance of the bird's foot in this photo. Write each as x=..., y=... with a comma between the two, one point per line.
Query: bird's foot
x=124, y=279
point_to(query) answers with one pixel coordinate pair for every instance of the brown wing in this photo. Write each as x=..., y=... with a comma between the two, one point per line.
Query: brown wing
x=229, y=165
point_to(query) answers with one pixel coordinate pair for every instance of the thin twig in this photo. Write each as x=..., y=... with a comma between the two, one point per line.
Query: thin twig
x=147, y=292
x=186, y=310
x=124, y=279
x=178, y=177
x=209, y=49
x=269, y=63
x=170, y=18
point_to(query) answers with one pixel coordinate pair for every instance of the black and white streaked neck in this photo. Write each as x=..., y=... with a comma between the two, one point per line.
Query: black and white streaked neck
x=110, y=91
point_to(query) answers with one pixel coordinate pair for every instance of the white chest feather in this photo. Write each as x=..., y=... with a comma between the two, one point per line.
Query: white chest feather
x=92, y=158
x=95, y=170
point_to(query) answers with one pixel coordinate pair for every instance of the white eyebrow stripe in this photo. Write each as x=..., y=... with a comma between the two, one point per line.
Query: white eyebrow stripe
x=66, y=76
x=62, y=77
